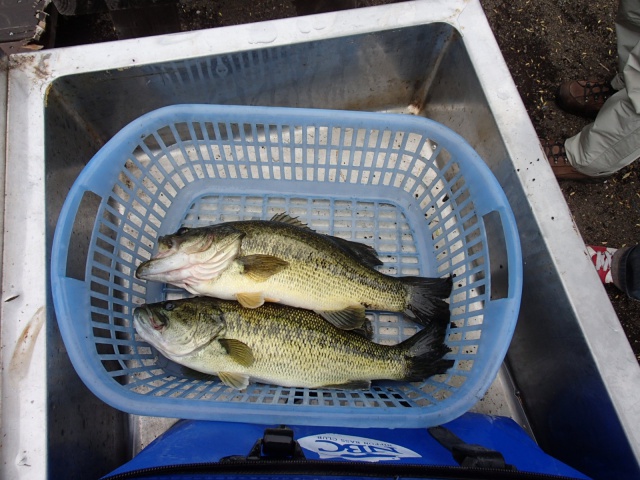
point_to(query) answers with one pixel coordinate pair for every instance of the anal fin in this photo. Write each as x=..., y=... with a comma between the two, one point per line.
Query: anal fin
x=239, y=381
x=250, y=300
x=350, y=318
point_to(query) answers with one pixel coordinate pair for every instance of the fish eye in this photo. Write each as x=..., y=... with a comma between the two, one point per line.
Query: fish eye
x=169, y=306
x=182, y=231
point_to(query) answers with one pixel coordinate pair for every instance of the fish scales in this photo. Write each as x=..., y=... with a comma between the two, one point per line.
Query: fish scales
x=316, y=264
x=299, y=341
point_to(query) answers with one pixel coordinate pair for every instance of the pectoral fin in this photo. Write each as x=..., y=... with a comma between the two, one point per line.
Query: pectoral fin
x=239, y=381
x=250, y=300
x=348, y=319
x=260, y=267
x=238, y=351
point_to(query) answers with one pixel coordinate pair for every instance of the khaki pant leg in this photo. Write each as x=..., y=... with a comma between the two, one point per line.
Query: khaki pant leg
x=627, y=29
x=613, y=140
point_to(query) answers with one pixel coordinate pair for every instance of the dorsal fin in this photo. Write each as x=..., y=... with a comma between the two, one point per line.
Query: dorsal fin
x=350, y=318
x=289, y=220
x=363, y=253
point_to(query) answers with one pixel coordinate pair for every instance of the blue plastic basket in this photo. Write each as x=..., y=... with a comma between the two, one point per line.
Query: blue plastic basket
x=408, y=186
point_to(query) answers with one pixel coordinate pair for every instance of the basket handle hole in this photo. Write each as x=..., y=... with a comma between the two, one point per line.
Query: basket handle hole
x=498, y=261
x=80, y=240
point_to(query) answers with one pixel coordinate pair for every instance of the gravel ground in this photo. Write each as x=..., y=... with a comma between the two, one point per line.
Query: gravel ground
x=544, y=43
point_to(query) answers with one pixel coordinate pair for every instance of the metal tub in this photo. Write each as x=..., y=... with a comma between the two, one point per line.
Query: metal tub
x=570, y=376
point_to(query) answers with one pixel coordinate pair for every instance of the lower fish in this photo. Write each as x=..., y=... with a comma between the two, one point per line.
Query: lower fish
x=282, y=345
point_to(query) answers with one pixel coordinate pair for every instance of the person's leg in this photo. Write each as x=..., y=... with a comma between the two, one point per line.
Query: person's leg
x=611, y=142
x=586, y=97
x=618, y=266
x=627, y=35
x=625, y=268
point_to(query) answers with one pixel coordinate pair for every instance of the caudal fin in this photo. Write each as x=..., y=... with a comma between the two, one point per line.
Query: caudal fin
x=424, y=352
x=426, y=304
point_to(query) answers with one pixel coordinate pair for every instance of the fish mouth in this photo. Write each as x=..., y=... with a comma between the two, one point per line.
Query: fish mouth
x=150, y=324
x=144, y=319
x=178, y=268
x=186, y=268
x=165, y=266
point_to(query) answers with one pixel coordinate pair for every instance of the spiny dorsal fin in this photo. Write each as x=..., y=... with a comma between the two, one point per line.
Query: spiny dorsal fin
x=250, y=300
x=363, y=253
x=239, y=381
x=348, y=319
x=260, y=267
x=289, y=220
x=240, y=352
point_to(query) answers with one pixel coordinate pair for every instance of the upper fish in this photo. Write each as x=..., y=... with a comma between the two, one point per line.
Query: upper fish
x=282, y=260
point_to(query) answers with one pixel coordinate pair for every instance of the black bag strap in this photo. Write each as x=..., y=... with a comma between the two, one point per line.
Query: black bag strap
x=275, y=444
x=466, y=454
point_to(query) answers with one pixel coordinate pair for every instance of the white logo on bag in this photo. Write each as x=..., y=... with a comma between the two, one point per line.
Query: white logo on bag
x=333, y=445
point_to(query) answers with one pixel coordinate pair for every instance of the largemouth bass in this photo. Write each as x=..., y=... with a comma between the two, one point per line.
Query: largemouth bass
x=284, y=261
x=282, y=345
